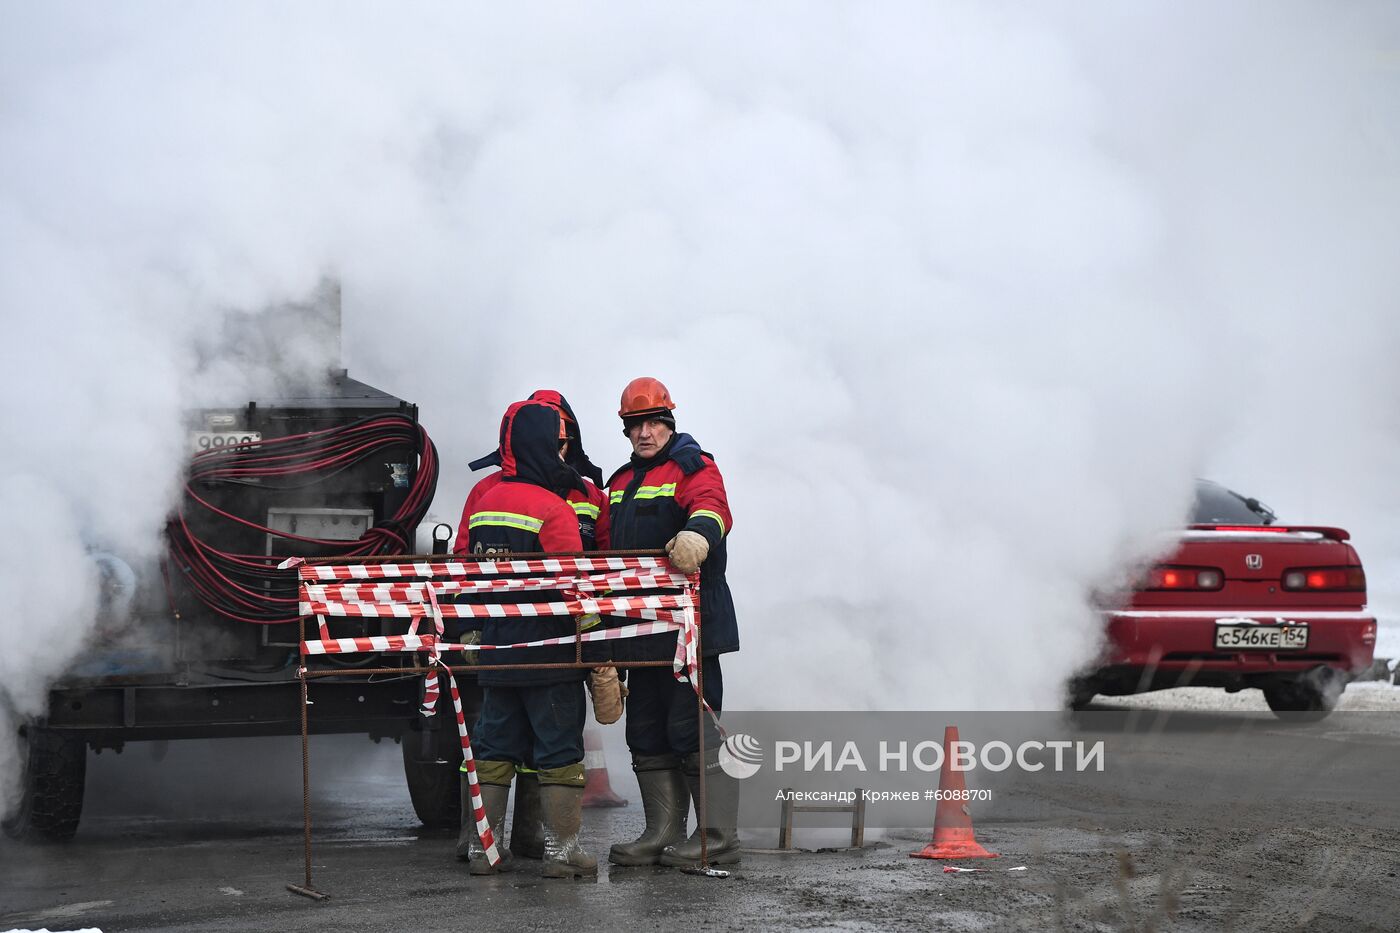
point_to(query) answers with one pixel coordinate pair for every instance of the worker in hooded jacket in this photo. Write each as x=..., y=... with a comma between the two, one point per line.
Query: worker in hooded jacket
x=590, y=504
x=530, y=716
x=670, y=494
x=591, y=508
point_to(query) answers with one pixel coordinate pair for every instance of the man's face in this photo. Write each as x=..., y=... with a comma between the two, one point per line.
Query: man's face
x=648, y=438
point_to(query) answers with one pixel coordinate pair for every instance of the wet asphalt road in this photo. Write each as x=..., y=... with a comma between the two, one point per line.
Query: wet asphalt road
x=206, y=838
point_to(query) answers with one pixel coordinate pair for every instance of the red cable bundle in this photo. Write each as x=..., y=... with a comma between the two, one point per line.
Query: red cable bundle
x=249, y=587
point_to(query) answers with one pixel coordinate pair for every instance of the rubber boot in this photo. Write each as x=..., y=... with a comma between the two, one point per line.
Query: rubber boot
x=561, y=810
x=526, y=833
x=664, y=803
x=721, y=813
x=494, y=798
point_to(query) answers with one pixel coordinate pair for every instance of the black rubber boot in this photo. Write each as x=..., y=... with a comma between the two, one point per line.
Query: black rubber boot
x=526, y=833
x=664, y=803
x=721, y=813
x=561, y=807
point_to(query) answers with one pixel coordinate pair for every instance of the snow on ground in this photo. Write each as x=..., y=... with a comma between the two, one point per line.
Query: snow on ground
x=1365, y=696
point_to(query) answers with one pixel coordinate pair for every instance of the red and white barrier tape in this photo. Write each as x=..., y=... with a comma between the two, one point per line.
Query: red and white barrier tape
x=380, y=643
x=607, y=605
x=483, y=826
x=417, y=591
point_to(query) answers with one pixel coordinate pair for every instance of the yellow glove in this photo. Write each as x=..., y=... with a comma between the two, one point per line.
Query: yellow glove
x=688, y=551
x=608, y=694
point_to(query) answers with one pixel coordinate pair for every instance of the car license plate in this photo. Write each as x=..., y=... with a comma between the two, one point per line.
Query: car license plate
x=218, y=440
x=1261, y=637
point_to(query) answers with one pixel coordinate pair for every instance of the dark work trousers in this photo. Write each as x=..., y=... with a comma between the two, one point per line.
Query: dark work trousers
x=538, y=726
x=661, y=711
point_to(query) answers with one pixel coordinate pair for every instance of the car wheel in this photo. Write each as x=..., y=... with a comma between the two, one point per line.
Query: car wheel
x=1308, y=697
x=1081, y=701
x=1079, y=694
x=54, y=771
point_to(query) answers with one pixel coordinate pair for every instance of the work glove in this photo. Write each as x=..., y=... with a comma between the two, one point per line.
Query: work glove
x=688, y=551
x=472, y=637
x=608, y=694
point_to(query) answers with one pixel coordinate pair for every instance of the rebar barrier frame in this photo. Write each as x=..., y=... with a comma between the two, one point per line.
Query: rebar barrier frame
x=304, y=674
x=790, y=807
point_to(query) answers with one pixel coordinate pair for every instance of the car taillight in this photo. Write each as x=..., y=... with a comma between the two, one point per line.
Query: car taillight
x=1324, y=578
x=1185, y=578
x=1368, y=634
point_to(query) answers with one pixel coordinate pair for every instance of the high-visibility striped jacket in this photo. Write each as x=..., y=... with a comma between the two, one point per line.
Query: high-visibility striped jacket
x=679, y=489
x=519, y=513
x=591, y=509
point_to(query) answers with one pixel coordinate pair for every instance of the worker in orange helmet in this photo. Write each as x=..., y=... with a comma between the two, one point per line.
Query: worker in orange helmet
x=671, y=495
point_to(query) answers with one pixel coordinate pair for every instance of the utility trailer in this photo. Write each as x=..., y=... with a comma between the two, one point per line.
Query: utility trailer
x=206, y=643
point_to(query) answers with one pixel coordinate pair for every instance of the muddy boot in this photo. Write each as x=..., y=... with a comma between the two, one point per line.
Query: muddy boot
x=526, y=833
x=494, y=797
x=664, y=803
x=561, y=810
x=721, y=813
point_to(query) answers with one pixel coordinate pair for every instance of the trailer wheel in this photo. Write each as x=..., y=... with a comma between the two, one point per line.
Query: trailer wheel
x=54, y=772
x=1308, y=697
x=434, y=776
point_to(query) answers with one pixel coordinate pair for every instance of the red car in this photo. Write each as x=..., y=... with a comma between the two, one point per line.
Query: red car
x=1242, y=602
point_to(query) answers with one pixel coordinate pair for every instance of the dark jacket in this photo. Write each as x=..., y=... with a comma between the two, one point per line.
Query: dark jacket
x=679, y=489
x=523, y=511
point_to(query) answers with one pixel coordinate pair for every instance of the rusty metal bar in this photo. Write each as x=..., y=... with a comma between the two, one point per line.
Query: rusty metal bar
x=305, y=890
x=478, y=558
x=700, y=716
x=701, y=814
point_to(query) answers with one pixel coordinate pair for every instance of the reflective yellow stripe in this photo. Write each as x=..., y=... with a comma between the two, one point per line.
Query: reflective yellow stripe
x=644, y=492
x=506, y=520
x=586, y=509
x=590, y=620
x=706, y=513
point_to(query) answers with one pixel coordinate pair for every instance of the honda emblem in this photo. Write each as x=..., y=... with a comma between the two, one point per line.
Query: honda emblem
x=1254, y=561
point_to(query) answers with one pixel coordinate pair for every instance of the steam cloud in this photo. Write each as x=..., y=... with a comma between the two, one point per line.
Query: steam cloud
x=961, y=297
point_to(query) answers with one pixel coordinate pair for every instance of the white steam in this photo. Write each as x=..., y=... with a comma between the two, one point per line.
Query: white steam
x=961, y=297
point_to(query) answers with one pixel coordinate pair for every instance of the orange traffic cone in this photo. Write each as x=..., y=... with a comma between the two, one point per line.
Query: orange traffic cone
x=597, y=789
x=952, y=824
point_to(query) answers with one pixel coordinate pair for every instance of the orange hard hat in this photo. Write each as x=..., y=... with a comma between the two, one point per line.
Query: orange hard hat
x=643, y=395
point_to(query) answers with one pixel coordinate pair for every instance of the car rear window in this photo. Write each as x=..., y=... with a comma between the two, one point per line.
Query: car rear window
x=1216, y=505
